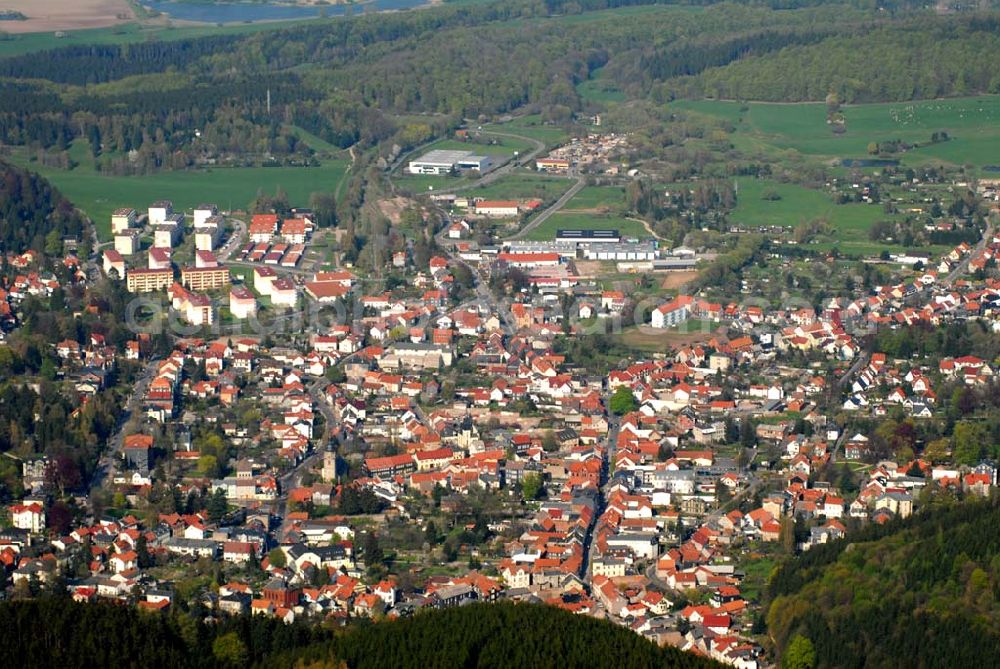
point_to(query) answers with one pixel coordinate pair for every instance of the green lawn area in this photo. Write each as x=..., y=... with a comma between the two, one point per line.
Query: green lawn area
x=600, y=89
x=559, y=220
x=129, y=33
x=757, y=573
x=229, y=188
x=422, y=183
x=314, y=142
x=850, y=223
x=522, y=185
x=596, y=197
x=973, y=124
x=534, y=127
x=796, y=204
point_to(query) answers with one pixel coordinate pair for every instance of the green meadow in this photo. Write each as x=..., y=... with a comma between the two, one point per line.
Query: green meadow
x=972, y=123
x=230, y=188
x=598, y=197
x=522, y=186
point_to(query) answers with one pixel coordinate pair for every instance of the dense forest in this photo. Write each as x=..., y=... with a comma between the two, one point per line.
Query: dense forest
x=32, y=210
x=54, y=631
x=919, y=59
x=480, y=635
x=492, y=635
x=925, y=587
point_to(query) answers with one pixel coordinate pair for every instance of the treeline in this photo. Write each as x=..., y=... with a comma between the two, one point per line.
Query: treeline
x=491, y=635
x=909, y=60
x=917, y=592
x=31, y=209
x=93, y=64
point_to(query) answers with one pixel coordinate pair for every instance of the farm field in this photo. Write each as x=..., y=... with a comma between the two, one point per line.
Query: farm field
x=129, y=33
x=973, y=124
x=547, y=230
x=230, y=188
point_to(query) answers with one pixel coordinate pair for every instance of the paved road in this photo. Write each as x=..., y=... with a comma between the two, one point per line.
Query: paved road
x=108, y=462
x=608, y=465
x=556, y=206
x=855, y=368
x=236, y=238
x=963, y=265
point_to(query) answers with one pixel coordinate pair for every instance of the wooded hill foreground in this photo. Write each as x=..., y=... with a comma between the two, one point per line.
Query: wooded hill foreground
x=59, y=632
x=916, y=593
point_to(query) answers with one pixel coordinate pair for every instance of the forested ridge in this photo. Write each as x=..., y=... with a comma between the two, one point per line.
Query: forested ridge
x=492, y=635
x=917, y=59
x=32, y=210
x=916, y=592
x=480, y=635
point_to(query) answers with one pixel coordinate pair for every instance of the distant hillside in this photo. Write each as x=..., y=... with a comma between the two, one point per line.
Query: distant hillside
x=492, y=635
x=910, y=60
x=917, y=593
x=31, y=209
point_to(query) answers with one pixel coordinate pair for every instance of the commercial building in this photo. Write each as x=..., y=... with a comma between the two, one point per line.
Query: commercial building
x=441, y=161
x=552, y=165
x=597, y=236
x=497, y=208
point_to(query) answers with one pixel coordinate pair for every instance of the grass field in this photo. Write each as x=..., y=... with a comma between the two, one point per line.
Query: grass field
x=972, y=123
x=850, y=223
x=660, y=341
x=559, y=220
x=533, y=127
x=598, y=197
x=229, y=188
x=129, y=33
x=797, y=204
x=522, y=186
x=599, y=89
x=422, y=183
